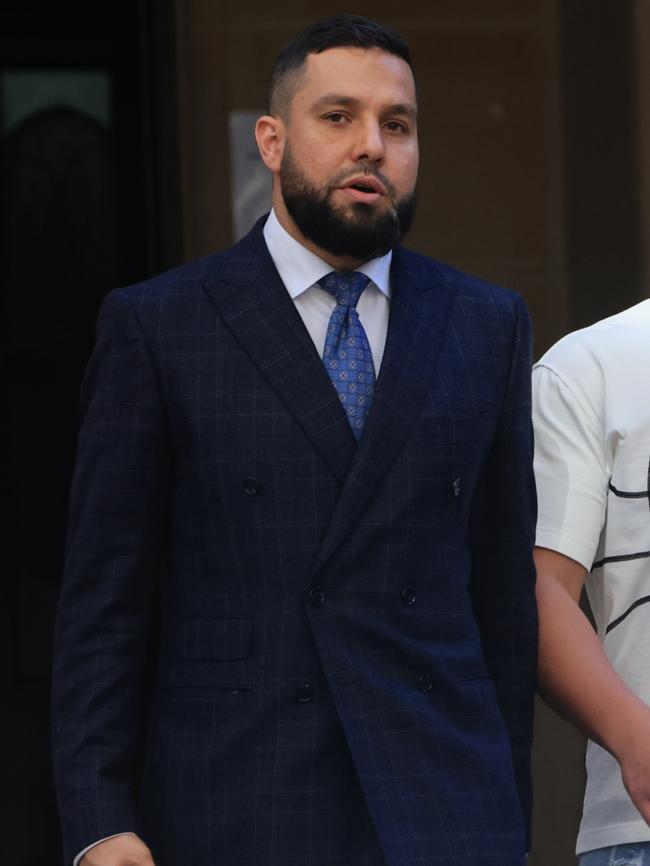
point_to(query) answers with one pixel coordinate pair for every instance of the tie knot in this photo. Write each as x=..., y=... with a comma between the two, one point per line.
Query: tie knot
x=345, y=286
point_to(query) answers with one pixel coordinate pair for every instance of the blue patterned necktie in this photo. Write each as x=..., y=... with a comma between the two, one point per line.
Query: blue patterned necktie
x=347, y=356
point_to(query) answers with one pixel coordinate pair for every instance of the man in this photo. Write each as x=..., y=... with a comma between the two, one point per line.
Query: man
x=345, y=652
x=591, y=398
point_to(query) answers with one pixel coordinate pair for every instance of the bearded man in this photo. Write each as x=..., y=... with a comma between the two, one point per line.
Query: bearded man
x=326, y=440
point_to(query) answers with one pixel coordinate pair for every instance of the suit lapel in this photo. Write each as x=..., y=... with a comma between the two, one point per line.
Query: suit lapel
x=257, y=308
x=420, y=307
x=255, y=305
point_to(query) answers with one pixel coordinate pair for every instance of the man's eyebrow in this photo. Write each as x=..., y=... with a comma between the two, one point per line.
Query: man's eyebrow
x=402, y=108
x=350, y=102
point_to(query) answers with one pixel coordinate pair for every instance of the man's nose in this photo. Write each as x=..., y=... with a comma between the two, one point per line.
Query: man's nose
x=369, y=144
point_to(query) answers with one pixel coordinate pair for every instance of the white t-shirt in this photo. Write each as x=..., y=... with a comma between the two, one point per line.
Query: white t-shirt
x=591, y=412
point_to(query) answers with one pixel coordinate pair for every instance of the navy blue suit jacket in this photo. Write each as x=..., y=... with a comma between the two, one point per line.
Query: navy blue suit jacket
x=343, y=637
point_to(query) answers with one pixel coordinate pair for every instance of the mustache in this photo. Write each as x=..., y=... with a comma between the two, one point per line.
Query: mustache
x=366, y=168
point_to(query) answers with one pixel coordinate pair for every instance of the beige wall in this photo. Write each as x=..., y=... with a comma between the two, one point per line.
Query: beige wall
x=490, y=192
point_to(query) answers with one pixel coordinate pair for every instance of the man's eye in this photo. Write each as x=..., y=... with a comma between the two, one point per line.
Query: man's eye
x=336, y=117
x=396, y=126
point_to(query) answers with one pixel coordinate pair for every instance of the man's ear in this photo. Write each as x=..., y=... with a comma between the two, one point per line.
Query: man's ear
x=270, y=135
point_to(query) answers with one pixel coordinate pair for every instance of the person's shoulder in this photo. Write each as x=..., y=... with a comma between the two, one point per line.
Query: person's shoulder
x=631, y=321
x=473, y=293
x=157, y=299
x=618, y=339
x=189, y=278
x=182, y=279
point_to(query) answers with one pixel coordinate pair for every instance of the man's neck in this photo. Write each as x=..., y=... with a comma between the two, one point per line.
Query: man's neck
x=338, y=263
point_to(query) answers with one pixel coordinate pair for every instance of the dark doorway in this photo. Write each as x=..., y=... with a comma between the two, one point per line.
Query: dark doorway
x=89, y=201
x=603, y=213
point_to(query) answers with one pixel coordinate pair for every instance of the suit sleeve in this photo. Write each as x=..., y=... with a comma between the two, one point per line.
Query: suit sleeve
x=503, y=575
x=118, y=515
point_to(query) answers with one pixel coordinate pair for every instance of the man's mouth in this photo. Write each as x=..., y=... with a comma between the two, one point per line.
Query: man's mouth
x=364, y=189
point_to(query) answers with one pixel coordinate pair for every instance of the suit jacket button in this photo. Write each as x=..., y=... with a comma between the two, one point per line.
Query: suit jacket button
x=305, y=693
x=457, y=485
x=408, y=596
x=316, y=597
x=252, y=486
x=425, y=683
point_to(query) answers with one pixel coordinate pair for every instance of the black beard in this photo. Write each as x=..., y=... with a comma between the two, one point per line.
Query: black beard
x=365, y=234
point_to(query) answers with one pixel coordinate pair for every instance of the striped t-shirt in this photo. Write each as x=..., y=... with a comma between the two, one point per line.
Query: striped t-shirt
x=591, y=411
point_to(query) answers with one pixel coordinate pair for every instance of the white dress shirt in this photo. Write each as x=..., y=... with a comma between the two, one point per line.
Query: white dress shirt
x=300, y=271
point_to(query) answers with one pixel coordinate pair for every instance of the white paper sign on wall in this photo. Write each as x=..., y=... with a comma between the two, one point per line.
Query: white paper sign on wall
x=251, y=180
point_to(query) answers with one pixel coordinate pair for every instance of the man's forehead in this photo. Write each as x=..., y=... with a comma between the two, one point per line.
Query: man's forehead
x=343, y=56
x=344, y=70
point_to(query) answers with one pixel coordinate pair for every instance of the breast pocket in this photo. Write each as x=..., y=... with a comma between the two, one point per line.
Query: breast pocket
x=446, y=430
x=436, y=476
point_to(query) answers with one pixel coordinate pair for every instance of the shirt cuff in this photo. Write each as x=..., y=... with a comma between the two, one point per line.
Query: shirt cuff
x=76, y=860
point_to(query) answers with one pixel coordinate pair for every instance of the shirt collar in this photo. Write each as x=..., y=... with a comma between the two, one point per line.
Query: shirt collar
x=300, y=269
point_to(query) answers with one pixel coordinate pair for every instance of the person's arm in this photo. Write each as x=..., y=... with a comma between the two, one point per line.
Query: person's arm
x=502, y=531
x=577, y=679
x=117, y=529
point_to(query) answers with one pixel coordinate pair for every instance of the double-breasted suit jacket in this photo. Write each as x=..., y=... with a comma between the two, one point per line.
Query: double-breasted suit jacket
x=334, y=663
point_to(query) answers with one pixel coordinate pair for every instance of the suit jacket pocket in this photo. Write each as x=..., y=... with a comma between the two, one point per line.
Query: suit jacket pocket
x=441, y=430
x=195, y=710
x=216, y=638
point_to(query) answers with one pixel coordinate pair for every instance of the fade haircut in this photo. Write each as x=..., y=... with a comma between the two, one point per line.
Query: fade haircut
x=340, y=31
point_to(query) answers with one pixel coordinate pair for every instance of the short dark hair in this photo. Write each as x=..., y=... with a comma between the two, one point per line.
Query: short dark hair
x=340, y=31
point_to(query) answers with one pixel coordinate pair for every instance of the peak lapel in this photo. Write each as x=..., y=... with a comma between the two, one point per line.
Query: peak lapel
x=420, y=308
x=256, y=306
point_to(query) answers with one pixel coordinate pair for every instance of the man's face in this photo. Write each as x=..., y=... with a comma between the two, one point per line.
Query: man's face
x=350, y=156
